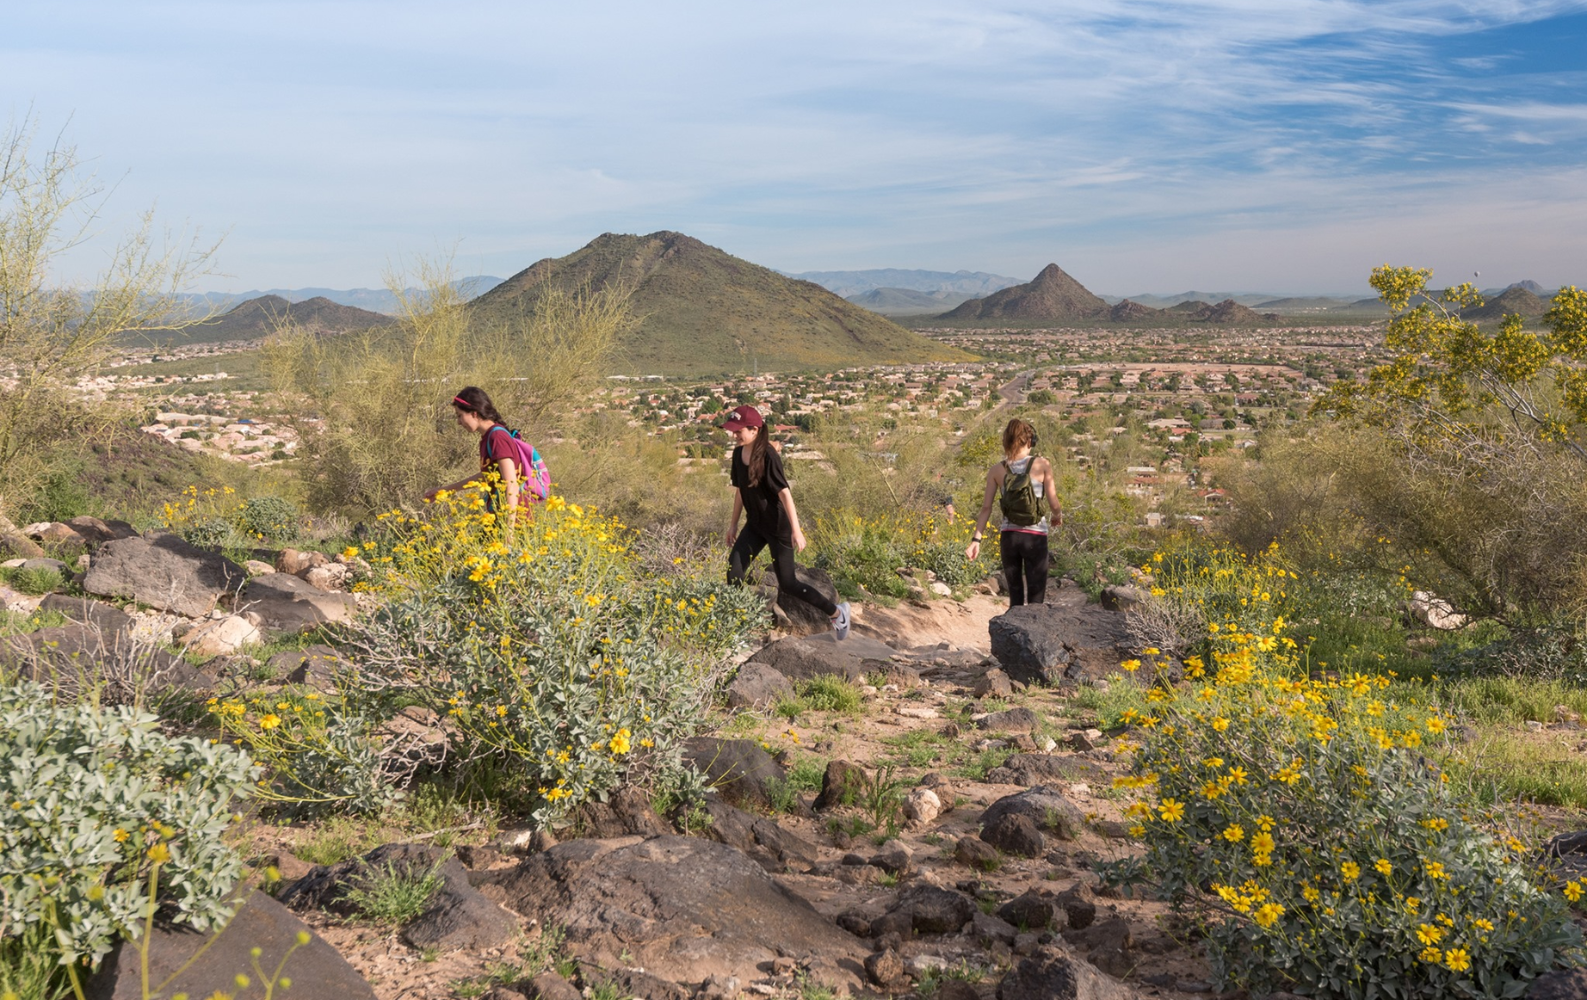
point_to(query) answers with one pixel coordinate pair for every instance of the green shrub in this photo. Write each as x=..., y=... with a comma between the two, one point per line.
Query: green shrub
x=210, y=533
x=270, y=518
x=60, y=497
x=829, y=693
x=394, y=893
x=99, y=806
x=39, y=580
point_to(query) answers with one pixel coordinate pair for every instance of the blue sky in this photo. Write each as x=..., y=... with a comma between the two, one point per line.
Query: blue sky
x=1144, y=146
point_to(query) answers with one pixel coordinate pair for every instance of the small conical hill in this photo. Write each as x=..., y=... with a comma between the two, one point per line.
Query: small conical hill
x=1514, y=299
x=1052, y=296
x=702, y=310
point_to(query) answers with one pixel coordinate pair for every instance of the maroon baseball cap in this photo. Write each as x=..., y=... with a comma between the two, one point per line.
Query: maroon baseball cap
x=744, y=416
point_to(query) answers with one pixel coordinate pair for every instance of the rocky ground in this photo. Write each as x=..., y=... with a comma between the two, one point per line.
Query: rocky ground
x=937, y=837
x=1005, y=802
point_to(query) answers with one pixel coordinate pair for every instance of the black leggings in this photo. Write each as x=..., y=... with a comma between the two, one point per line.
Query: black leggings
x=1025, y=567
x=748, y=546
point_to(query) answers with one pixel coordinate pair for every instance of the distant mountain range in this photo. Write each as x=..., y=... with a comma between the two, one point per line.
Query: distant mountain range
x=263, y=315
x=705, y=311
x=1055, y=297
x=380, y=300
x=963, y=284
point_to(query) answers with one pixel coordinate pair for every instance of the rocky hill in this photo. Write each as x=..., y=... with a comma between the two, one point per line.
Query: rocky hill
x=1129, y=311
x=1515, y=299
x=262, y=316
x=1052, y=296
x=705, y=311
x=1225, y=313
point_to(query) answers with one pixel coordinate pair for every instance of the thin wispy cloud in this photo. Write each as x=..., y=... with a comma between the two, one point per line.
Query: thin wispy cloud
x=1122, y=139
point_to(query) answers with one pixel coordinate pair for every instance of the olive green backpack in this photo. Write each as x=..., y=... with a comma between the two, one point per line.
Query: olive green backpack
x=1019, y=501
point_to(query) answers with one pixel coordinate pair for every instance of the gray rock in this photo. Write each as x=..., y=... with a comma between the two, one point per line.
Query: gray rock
x=59, y=567
x=934, y=910
x=287, y=605
x=992, y=684
x=992, y=929
x=1015, y=833
x=1122, y=597
x=15, y=545
x=164, y=572
x=1078, y=906
x=317, y=970
x=803, y=657
x=756, y=686
x=1014, y=720
x=841, y=785
x=549, y=986
x=1562, y=984
x=108, y=619
x=956, y=989
x=977, y=853
x=1035, y=910
x=682, y=908
x=1053, y=975
x=95, y=532
x=1043, y=806
x=1031, y=769
x=884, y=968
x=73, y=657
x=797, y=616
x=456, y=916
x=626, y=813
x=739, y=770
x=1054, y=644
x=760, y=838
x=895, y=857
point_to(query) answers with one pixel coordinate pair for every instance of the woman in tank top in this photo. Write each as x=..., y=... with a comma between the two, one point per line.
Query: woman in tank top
x=1023, y=546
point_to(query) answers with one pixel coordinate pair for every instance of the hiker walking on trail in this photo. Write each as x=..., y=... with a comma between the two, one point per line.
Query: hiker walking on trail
x=524, y=477
x=761, y=494
x=1023, y=485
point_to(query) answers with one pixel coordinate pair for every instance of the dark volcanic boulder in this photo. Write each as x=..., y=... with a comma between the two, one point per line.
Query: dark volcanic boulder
x=107, y=618
x=1055, y=643
x=803, y=657
x=76, y=656
x=1053, y=975
x=163, y=571
x=317, y=971
x=1030, y=769
x=1044, y=807
x=682, y=908
x=286, y=604
x=1015, y=833
x=756, y=686
x=739, y=770
x=95, y=532
x=1562, y=984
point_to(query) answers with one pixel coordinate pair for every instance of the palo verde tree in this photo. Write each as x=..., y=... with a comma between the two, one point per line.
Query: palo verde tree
x=51, y=329
x=374, y=407
x=1489, y=446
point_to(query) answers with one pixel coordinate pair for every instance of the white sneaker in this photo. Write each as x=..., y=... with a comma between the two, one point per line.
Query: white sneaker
x=840, y=621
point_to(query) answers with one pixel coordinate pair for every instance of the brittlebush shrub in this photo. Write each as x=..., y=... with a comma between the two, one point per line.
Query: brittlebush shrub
x=97, y=809
x=546, y=648
x=1302, y=818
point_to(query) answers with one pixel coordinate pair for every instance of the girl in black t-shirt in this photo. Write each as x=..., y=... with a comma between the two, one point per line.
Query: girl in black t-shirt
x=760, y=492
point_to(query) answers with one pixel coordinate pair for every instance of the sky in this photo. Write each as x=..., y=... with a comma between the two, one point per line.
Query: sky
x=1143, y=146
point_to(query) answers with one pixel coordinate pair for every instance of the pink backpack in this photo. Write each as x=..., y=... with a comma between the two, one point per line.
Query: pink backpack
x=534, y=479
